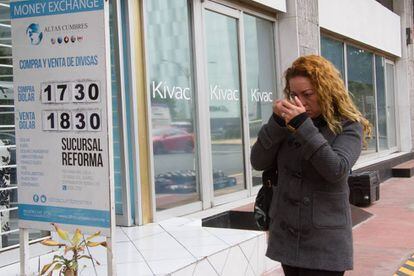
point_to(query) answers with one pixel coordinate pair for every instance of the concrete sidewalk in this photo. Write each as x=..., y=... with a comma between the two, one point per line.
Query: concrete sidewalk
x=384, y=241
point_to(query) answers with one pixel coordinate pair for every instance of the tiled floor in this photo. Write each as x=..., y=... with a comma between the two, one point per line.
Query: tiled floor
x=179, y=247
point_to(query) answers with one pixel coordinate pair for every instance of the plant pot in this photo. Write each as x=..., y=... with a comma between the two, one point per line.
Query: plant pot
x=71, y=272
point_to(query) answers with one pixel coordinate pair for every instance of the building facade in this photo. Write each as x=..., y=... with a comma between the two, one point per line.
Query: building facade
x=194, y=80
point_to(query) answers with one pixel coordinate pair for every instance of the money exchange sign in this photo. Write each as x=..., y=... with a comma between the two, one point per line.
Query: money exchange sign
x=61, y=113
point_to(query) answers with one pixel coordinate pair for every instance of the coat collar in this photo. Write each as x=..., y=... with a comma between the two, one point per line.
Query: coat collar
x=319, y=121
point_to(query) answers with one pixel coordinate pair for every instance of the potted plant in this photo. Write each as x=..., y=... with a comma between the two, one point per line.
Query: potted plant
x=67, y=263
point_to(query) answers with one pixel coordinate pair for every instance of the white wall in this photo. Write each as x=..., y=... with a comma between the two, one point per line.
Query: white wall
x=274, y=4
x=366, y=21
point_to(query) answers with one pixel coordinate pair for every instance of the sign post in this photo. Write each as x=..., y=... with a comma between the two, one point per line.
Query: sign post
x=61, y=66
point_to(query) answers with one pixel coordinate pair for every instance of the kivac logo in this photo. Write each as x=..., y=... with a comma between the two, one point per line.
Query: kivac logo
x=34, y=33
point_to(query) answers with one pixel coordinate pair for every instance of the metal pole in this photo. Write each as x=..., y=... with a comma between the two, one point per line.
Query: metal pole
x=24, y=251
x=111, y=257
x=111, y=237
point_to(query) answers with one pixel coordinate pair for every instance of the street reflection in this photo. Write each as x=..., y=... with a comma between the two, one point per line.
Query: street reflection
x=184, y=181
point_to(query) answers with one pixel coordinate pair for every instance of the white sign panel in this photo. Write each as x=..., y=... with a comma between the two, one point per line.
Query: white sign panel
x=365, y=21
x=61, y=117
x=275, y=4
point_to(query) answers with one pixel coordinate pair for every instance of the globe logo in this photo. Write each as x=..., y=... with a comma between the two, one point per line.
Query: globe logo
x=34, y=33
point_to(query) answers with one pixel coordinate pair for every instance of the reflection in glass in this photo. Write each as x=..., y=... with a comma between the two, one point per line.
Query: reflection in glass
x=8, y=187
x=261, y=76
x=385, y=103
x=5, y=31
x=6, y=115
x=5, y=51
x=171, y=93
x=333, y=51
x=225, y=103
x=381, y=102
x=361, y=87
x=390, y=107
x=11, y=232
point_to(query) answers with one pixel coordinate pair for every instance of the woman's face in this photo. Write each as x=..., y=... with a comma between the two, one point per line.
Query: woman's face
x=302, y=88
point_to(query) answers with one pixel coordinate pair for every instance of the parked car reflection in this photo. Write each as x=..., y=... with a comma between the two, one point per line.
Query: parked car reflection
x=166, y=140
x=184, y=181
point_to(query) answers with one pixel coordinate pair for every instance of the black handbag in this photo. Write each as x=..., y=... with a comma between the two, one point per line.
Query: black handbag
x=264, y=199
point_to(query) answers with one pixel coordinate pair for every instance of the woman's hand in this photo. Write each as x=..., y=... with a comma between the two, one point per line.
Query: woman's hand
x=277, y=105
x=289, y=110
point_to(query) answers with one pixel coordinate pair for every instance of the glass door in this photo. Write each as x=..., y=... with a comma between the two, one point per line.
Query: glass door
x=225, y=98
x=260, y=78
x=384, y=69
x=172, y=107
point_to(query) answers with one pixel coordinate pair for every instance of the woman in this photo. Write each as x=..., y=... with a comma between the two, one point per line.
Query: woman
x=315, y=136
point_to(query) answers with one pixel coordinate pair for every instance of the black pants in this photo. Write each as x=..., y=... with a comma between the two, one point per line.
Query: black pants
x=298, y=271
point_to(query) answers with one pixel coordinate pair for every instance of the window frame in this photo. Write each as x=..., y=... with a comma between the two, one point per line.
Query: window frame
x=202, y=113
x=221, y=6
x=124, y=219
x=397, y=132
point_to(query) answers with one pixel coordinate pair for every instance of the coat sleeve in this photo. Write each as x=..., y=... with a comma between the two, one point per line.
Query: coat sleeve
x=264, y=151
x=333, y=162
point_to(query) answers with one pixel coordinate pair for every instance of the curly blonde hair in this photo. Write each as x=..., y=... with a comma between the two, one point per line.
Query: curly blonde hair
x=333, y=98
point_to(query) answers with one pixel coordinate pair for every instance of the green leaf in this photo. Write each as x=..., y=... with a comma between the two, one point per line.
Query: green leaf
x=59, y=258
x=58, y=267
x=64, y=235
x=45, y=268
x=50, y=242
x=74, y=265
x=76, y=237
x=93, y=236
x=94, y=244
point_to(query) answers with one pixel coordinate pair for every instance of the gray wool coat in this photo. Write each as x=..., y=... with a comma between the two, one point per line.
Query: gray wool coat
x=310, y=213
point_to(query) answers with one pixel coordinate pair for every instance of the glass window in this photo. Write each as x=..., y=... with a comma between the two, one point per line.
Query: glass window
x=390, y=106
x=333, y=50
x=261, y=76
x=375, y=102
x=225, y=103
x=171, y=93
x=361, y=87
x=381, y=102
